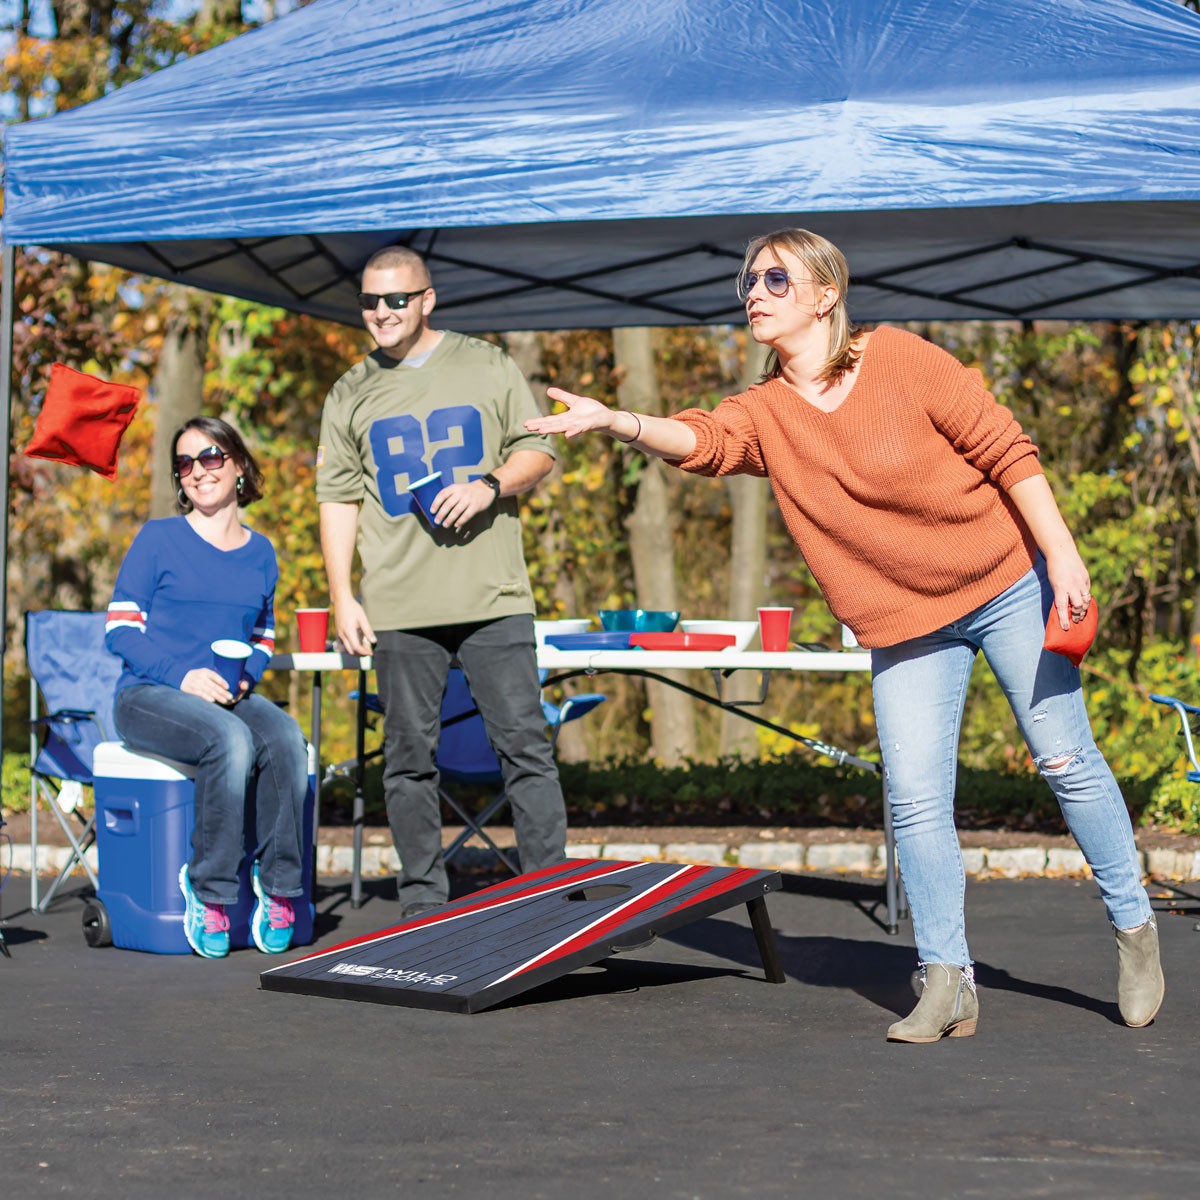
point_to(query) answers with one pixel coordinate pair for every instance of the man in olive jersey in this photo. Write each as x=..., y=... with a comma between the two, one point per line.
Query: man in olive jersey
x=454, y=588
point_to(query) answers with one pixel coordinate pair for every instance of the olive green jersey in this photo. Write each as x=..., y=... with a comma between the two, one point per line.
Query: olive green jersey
x=385, y=426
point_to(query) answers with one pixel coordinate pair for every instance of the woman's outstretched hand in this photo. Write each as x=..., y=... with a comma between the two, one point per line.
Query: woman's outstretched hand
x=583, y=415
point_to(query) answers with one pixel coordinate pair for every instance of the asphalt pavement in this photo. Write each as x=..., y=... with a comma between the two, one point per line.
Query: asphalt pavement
x=673, y=1070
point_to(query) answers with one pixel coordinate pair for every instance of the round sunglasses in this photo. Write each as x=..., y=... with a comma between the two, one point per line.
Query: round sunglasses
x=210, y=458
x=775, y=279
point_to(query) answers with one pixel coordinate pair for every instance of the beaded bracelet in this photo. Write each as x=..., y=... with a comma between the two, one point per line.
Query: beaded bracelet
x=630, y=441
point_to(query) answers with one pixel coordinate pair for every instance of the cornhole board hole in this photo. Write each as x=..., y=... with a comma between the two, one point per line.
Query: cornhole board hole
x=484, y=948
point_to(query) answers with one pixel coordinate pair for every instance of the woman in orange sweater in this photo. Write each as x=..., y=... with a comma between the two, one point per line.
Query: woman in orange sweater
x=920, y=507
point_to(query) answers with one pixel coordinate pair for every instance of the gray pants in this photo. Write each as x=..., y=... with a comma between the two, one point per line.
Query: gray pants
x=500, y=665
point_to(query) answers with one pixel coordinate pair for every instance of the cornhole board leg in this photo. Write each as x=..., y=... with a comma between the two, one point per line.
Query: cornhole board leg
x=764, y=935
x=506, y=939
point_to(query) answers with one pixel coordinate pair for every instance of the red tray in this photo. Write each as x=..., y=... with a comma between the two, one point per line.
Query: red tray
x=682, y=641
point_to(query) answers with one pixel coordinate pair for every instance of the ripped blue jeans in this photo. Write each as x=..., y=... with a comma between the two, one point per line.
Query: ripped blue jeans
x=920, y=688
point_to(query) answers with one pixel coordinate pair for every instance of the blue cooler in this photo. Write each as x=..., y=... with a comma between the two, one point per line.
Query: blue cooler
x=145, y=810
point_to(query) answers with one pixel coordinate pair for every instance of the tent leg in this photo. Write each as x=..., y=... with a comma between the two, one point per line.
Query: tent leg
x=8, y=278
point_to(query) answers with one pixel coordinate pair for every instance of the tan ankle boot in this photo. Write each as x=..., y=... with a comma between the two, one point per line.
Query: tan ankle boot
x=1140, y=984
x=948, y=1007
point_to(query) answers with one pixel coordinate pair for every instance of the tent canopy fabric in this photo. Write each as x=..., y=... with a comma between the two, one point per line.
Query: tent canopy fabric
x=571, y=163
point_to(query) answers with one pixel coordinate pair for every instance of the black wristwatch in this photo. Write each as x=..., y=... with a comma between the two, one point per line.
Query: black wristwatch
x=492, y=482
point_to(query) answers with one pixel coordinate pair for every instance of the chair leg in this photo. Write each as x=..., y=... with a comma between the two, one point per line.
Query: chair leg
x=474, y=828
x=891, y=885
x=79, y=847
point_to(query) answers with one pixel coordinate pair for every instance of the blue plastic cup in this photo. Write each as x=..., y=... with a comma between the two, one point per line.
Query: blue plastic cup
x=229, y=657
x=424, y=492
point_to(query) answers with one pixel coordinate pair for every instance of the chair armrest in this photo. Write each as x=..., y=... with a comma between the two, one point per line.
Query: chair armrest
x=1173, y=702
x=574, y=707
x=1182, y=709
x=65, y=716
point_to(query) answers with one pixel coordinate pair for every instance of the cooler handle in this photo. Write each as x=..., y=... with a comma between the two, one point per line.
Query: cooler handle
x=122, y=822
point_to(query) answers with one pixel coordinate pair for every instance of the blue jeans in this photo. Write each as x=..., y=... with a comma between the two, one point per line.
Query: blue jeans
x=499, y=661
x=251, y=752
x=919, y=690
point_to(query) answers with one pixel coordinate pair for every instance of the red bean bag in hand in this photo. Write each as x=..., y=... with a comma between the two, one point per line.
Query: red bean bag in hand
x=1075, y=642
x=83, y=420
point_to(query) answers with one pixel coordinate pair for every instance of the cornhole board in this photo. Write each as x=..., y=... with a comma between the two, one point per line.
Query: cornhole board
x=484, y=948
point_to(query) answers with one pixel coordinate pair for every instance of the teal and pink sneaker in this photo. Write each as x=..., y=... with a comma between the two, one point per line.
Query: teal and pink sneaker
x=206, y=925
x=273, y=919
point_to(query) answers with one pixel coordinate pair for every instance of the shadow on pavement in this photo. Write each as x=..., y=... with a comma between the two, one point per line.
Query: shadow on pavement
x=879, y=972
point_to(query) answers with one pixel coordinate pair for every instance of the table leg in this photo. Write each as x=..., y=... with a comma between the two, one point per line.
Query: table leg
x=360, y=775
x=315, y=739
x=889, y=845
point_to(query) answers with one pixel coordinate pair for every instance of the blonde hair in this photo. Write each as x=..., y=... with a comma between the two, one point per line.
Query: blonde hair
x=827, y=265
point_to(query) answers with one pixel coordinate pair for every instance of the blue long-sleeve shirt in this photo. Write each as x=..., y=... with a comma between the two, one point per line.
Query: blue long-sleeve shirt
x=176, y=594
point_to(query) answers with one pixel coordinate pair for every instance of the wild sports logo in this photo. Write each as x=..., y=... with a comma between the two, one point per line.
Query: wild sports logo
x=389, y=975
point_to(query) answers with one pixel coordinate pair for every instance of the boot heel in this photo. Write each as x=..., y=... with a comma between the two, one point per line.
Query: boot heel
x=948, y=1007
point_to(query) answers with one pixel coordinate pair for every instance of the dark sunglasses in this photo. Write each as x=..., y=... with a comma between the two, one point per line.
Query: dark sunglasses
x=776, y=279
x=369, y=301
x=210, y=458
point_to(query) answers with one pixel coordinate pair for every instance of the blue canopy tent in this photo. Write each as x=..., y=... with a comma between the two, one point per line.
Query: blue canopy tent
x=575, y=163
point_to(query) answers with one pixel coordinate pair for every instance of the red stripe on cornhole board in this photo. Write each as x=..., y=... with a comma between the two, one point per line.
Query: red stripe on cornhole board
x=574, y=874
x=656, y=895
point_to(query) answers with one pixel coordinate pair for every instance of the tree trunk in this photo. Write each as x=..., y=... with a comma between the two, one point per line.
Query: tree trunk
x=525, y=347
x=750, y=498
x=652, y=543
x=178, y=392
x=222, y=12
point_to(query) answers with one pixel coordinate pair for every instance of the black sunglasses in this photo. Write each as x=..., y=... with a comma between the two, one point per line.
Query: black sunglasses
x=776, y=279
x=210, y=458
x=369, y=301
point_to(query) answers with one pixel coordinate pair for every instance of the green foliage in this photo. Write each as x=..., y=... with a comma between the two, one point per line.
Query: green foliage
x=1175, y=805
x=14, y=782
x=792, y=790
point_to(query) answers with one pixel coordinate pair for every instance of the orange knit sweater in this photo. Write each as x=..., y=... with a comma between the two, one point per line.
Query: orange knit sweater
x=896, y=499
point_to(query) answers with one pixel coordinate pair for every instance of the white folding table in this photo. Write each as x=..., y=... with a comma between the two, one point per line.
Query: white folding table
x=561, y=665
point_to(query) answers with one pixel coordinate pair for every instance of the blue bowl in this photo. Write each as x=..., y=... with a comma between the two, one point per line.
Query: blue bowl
x=637, y=620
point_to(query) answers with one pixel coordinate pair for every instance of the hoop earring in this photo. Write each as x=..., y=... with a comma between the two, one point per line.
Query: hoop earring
x=181, y=496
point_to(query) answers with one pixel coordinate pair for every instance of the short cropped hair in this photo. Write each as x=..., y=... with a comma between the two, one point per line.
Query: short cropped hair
x=396, y=256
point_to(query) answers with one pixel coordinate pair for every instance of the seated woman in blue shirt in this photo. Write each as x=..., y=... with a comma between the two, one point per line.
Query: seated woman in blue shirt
x=186, y=582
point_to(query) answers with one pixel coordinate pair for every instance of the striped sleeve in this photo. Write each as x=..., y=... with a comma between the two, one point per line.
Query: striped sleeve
x=262, y=639
x=125, y=614
x=125, y=628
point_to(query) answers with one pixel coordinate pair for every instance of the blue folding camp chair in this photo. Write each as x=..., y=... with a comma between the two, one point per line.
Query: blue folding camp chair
x=464, y=756
x=1182, y=709
x=72, y=681
x=1189, y=719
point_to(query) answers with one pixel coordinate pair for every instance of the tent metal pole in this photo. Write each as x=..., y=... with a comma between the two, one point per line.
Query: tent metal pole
x=8, y=277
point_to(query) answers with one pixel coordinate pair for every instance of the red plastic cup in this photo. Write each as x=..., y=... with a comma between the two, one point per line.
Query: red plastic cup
x=312, y=625
x=775, y=628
